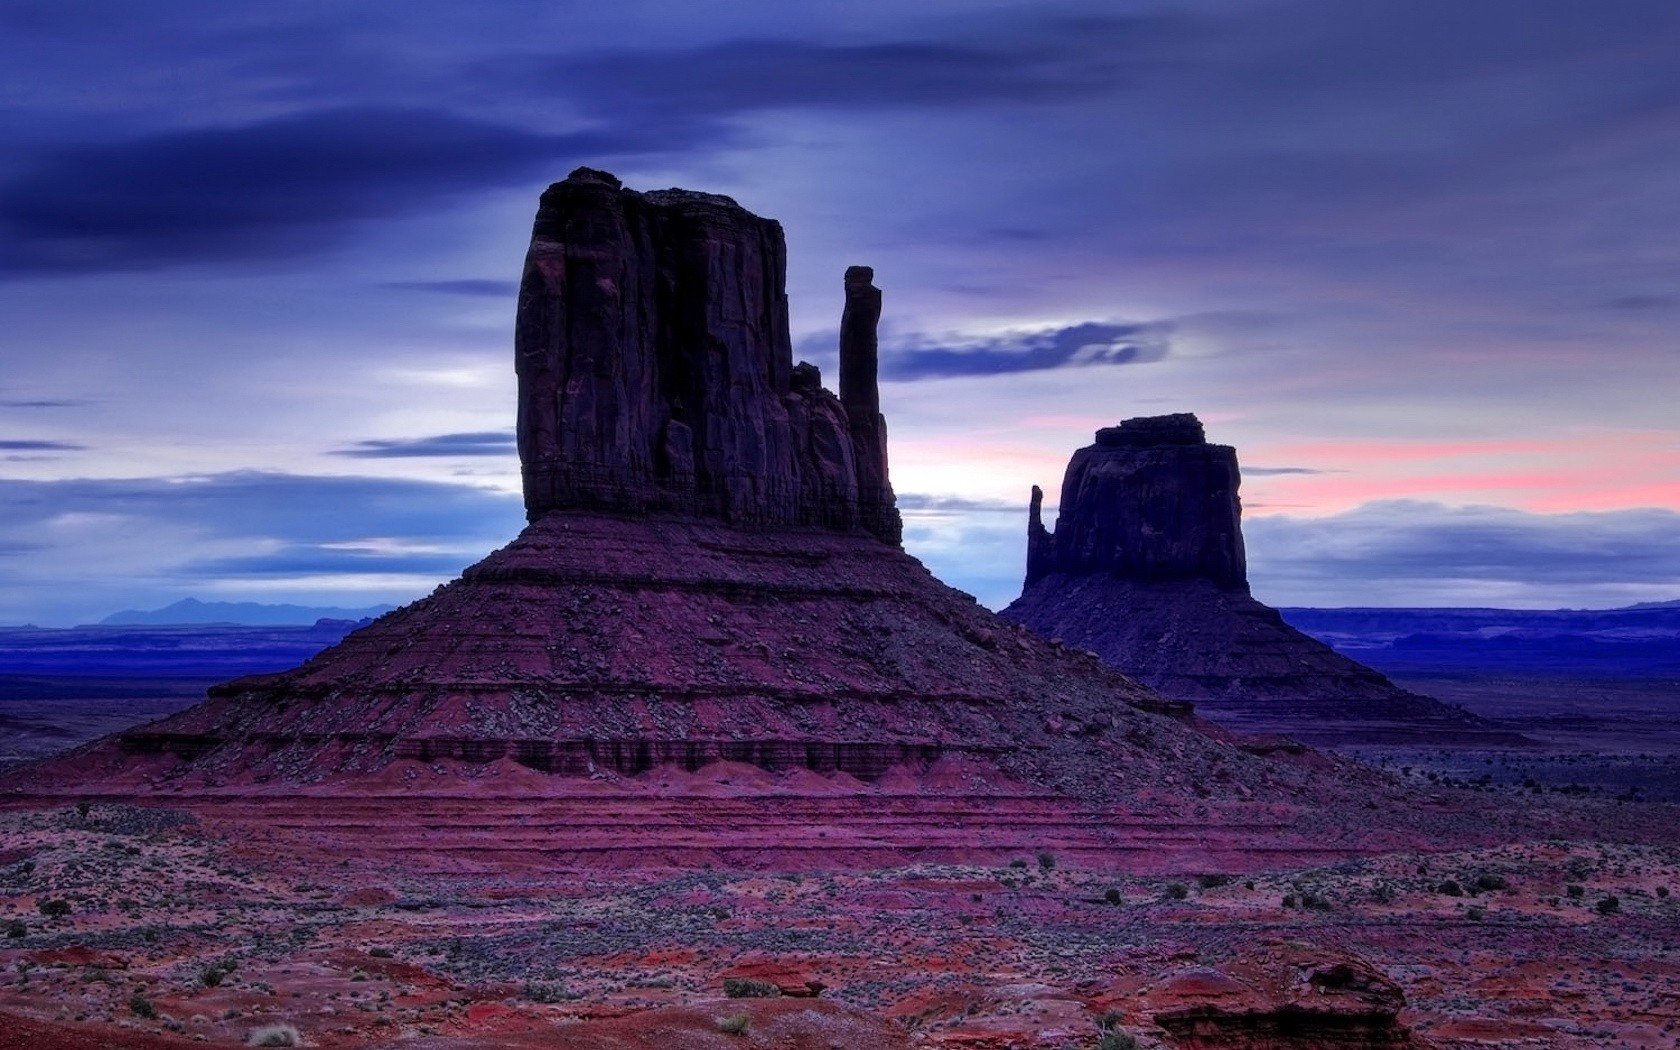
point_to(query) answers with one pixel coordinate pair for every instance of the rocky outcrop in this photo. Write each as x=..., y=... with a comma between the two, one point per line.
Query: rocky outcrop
x=656, y=373
x=1146, y=568
x=1280, y=994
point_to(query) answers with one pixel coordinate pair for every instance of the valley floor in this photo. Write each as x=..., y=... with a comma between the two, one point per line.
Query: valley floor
x=221, y=930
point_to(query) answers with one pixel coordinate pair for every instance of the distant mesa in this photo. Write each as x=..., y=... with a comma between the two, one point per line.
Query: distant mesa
x=1146, y=568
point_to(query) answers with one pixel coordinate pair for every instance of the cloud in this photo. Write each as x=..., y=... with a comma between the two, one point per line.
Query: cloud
x=1049, y=60
x=266, y=189
x=489, y=289
x=477, y=443
x=313, y=560
x=1075, y=346
x=21, y=445
x=1405, y=552
x=95, y=545
x=1269, y=472
x=921, y=503
x=1641, y=302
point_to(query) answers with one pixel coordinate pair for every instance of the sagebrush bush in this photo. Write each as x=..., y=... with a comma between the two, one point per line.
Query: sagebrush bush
x=275, y=1035
x=749, y=988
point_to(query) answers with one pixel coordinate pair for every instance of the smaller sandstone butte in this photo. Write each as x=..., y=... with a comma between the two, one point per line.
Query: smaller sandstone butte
x=1146, y=568
x=656, y=373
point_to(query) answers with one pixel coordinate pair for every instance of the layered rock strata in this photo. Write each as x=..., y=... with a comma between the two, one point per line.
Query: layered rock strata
x=1146, y=568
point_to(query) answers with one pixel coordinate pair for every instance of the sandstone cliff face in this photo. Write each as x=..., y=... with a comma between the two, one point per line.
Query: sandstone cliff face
x=656, y=374
x=1146, y=568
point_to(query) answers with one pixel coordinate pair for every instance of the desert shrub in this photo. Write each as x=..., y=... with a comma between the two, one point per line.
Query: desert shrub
x=1113, y=1040
x=1113, y=896
x=1450, y=888
x=1178, y=891
x=1609, y=906
x=539, y=992
x=1475, y=913
x=749, y=988
x=1047, y=861
x=142, y=1006
x=382, y=953
x=210, y=977
x=1017, y=863
x=1577, y=892
x=275, y=1035
x=1486, y=883
x=1662, y=891
x=736, y=1025
x=16, y=928
x=1315, y=902
x=1213, y=882
x=57, y=908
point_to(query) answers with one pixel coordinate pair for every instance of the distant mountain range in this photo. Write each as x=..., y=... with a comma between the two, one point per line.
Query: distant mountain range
x=1639, y=640
x=251, y=614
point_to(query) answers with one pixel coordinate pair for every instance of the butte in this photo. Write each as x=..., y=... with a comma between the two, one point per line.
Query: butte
x=1146, y=568
x=708, y=645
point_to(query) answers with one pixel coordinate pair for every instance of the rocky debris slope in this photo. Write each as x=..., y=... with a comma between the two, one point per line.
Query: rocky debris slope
x=1146, y=568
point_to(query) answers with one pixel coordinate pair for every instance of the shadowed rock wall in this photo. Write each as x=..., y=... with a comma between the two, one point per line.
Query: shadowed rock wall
x=656, y=373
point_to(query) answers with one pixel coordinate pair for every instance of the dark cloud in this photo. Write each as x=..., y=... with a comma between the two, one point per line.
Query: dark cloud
x=39, y=446
x=1641, y=302
x=289, y=507
x=268, y=189
x=1395, y=551
x=478, y=443
x=1048, y=60
x=475, y=287
x=97, y=544
x=1267, y=472
x=1080, y=345
x=311, y=560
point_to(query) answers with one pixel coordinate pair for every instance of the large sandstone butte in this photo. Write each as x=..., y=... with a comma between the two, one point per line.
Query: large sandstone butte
x=656, y=374
x=707, y=644
x=1146, y=569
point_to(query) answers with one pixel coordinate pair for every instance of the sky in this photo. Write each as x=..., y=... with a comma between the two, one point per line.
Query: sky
x=1418, y=260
